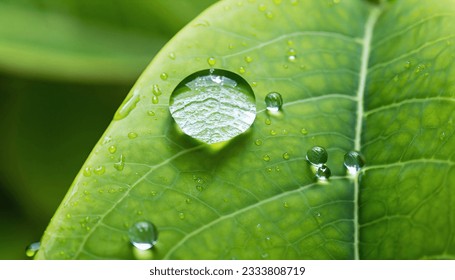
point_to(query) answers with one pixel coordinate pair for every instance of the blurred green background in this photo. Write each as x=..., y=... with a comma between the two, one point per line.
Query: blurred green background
x=65, y=67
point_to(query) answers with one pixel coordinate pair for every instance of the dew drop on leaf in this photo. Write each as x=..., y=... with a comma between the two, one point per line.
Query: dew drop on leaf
x=248, y=59
x=323, y=173
x=286, y=156
x=317, y=156
x=87, y=172
x=143, y=235
x=156, y=90
x=99, y=170
x=273, y=101
x=32, y=249
x=213, y=105
x=258, y=142
x=132, y=135
x=353, y=161
x=304, y=131
x=266, y=158
x=291, y=54
x=128, y=105
x=164, y=76
x=112, y=149
x=211, y=61
x=120, y=164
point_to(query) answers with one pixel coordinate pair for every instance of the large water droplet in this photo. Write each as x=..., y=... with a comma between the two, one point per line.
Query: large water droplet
x=273, y=101
x=353, y=161
x=317, y=156
x=213, y=105
x=32, y=249
x=143, y=235
x=323, y=173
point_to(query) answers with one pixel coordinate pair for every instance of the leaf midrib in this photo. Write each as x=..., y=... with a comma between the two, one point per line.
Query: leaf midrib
x=365, y=56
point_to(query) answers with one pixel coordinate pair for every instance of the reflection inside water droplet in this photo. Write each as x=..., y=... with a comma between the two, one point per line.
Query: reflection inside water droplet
x=323, y=173
x=213, y=105
x=354, y=162
x=317, y=156
x=143, y=235
x=273, y=101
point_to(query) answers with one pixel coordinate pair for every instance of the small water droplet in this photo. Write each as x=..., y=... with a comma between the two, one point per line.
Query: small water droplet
x=258, y=142
x=132, y=135
x=259, y=227
x=304, y=131
x=120, y=164
x=151, y=113
x=248, y=59
x=268, y=121
x=277, y=2
x=188, y=201
x=171, y=55
x=420, y=68
x=442, y=136
x=156, y=90
x=32, y=249
x=143, y=235
x=87, y=172
x=128, y=105
x=181, y=215
x=264, y=255
x=407, y=64
x=317, y=156
x=291, y=54
x=294, y=2
x=155, y=99
x=68, y=216
x=213, y=105
x=269, y=14
x=199, y=188
x=262, y=7
x=272, y=132
x=164, y=76
x=211, y=61
x=242, y=70
x=266, y=158
x=323, y=173
x=273, y=101
x=112, y=149
x=285, y=204
x=354, y=162
x=286, y=156
x=99, y=170
x=269, y=169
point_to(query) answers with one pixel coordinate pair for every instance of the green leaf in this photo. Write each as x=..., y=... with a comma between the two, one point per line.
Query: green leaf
x=353, y=76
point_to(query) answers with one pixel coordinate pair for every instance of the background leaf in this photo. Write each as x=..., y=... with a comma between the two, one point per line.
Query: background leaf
x=353, y=75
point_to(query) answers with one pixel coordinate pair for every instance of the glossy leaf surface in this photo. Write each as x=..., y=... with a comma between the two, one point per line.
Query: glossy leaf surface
x=353, y=75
